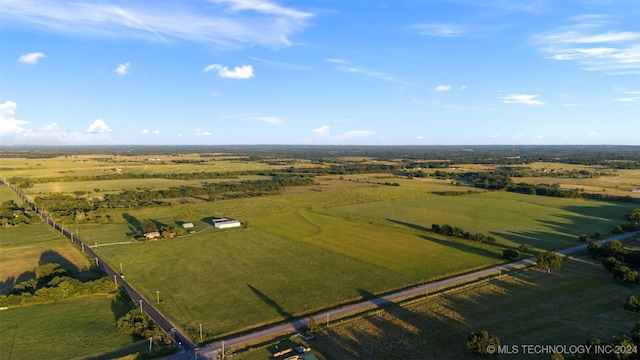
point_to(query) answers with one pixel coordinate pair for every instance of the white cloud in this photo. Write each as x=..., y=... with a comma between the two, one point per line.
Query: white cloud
x=525, y=99
x=8, y=123
x=443, y=88
x=594, y=47
x=156, y=132
x=31, y=58
x=98, y=126
x=494, y=136
x=438, y=30
x=356, y=134
x=635, y=97
x=592, y=134
x=13, y=132
x=202, y=133
x=123, y=69
x=367, y=72
x=463, y=87
x=226, y=23
x=239, y=72
x=144, y=131
x=322, y=131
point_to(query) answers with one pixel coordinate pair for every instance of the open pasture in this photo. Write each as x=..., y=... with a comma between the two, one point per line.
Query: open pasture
x=578, y=302
x=337, y=241
x=75, y=328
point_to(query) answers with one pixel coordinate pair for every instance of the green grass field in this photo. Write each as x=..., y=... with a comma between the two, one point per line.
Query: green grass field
x=23, y=248
x=68, y=329
x=302, y=253
x=578, y=302
x=306, y=248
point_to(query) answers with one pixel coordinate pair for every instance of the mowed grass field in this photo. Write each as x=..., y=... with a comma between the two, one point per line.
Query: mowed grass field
x=336, y=242
x=69, y=329
x=566, y=307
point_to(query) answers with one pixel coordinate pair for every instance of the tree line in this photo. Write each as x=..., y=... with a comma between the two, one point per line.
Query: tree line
x=460, y=233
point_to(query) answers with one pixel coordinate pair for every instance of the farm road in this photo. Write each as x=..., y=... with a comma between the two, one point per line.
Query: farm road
x=212, y=351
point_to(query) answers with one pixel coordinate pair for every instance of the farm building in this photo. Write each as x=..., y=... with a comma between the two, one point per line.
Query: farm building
x=152, y=235
x=214, y=221
x=227, y=224
x=636, y=190
x=187, y=225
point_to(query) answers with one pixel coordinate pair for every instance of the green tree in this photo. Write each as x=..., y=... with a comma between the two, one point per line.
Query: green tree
x=482, y=343
x=138, y=323
x=510, y=254
x=525, y=248
x=549, y=260
x=583, y=237
x=148, y=226
x=633, y=215
x=633, y=304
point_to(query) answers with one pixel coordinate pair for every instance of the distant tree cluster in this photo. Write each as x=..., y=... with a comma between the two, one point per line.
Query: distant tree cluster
x=53, y=283
x=624, y=346
x=618, y=261
x=12, y=214
x=460, y=233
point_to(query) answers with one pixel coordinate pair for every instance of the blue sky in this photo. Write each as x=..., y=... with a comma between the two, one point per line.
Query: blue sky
x=361, y=72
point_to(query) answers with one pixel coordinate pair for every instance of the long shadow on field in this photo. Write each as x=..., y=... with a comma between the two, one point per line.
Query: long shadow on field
x=395, y=310
x=269, y=301
x=84, y=275
x=121, y=304
x=537, y=239
x=409, y=225
x=135, y=227
x=53, y=257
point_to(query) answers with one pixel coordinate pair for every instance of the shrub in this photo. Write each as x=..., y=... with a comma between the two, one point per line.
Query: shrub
x=480, y=341
x=511, y=254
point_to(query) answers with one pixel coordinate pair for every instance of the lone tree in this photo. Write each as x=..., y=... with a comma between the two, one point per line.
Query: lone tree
x=482, y=343
x=510, y=254
x=549, y=260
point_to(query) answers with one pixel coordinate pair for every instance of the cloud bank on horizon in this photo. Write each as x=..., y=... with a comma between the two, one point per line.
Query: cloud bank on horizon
x=275, y=72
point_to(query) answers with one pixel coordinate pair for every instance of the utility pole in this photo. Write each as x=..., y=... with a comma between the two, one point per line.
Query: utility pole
x=140, y=305
x=200, y=332
x=222, y=349
x=115, y=281
x=158, y=296
x=96, y=262
x=120, y=268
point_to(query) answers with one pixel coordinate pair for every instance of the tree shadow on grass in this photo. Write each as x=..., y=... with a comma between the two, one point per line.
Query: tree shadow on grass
x=135, y=227
x=272, y=303
x=458, y=244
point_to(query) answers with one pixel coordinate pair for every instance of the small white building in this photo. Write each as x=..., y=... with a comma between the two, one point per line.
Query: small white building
x=636, y=190
x=187, y=225
x=227, y=224
x=152, y=235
